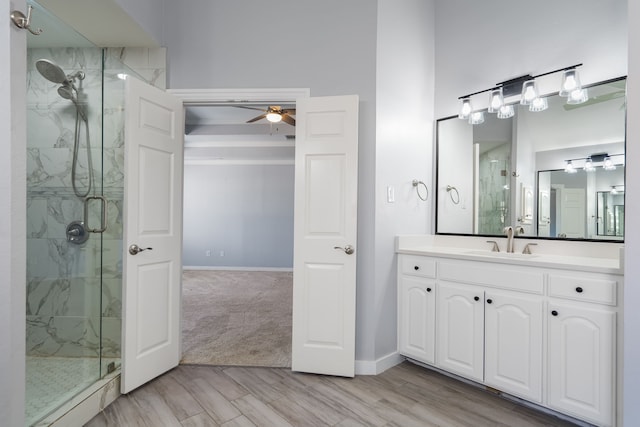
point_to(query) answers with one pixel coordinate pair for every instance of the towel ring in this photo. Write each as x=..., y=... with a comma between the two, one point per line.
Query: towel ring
x=416, y=184
x=450, y=189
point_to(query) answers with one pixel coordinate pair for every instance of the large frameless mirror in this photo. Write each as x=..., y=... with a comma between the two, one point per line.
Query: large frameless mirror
x=557, y=173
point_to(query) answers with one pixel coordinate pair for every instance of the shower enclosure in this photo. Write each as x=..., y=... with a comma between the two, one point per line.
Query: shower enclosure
x=75, y=171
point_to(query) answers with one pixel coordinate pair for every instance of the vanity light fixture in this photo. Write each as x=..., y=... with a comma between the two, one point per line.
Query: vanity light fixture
x=496, y=100
x=476, y=118
x=588, y=165
x=568, y=167
x=608, y=165
x=527, y=87
x=614, y=190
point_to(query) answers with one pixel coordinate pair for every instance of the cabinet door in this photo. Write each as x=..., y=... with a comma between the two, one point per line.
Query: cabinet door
x=460, y=332
x=417, y=316
x=513, y=344
x=581, y=355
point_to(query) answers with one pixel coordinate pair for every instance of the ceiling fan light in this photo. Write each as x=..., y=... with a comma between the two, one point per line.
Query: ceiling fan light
x=570, y=82
x=578, y=96
x=465, y=109
x=273, y=117
x=496, y=100
x=529, y=92
x=505, y=112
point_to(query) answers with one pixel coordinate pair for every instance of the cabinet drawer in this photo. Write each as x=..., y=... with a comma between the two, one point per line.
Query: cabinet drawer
x=600, y=290
x=418, y=266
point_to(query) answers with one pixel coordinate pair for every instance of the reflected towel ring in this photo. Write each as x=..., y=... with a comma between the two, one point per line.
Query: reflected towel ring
x=451, y=188
x=416, y=183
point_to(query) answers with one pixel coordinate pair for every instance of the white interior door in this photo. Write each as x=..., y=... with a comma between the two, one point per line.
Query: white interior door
x=154, y=127
x=324, y=278
x=573, y=212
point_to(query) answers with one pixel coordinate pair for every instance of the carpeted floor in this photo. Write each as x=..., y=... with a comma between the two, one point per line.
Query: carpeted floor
x=238, y=318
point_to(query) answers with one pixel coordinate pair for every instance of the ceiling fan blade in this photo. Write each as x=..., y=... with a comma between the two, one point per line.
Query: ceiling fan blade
x=289, y=111
x=249, y=108
x=288, y=119
x=255, y=119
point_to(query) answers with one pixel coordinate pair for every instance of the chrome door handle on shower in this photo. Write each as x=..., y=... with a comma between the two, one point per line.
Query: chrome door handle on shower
x=103, y=223
x=347, y=249
x=135, y=249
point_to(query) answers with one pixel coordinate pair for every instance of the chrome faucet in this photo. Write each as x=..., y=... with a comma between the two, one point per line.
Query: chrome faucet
x=509, y=232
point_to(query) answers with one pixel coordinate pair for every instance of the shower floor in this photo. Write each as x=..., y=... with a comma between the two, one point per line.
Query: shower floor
x=52, y=381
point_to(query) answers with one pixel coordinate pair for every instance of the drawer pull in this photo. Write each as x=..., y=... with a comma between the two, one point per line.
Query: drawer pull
x=579, y=290
x=476, y=298
x=489, y=301
x=554, y=313
x=428, y=289
x=416, y=268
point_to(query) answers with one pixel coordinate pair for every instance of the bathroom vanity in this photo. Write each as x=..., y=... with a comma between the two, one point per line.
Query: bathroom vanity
x=541, y=327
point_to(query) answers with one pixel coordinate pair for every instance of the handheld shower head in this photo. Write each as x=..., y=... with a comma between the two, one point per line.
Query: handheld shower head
x=66, y=91
x=51, y=71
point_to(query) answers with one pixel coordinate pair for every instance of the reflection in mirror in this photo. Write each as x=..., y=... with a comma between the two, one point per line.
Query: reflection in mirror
x=503, y=170
x=573, y=205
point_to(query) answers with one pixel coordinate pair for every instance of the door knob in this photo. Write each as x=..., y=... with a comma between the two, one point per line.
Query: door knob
x=347, y=249
x=135, y=249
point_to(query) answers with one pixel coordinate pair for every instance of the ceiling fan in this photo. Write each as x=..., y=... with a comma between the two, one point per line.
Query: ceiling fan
x=275, y=114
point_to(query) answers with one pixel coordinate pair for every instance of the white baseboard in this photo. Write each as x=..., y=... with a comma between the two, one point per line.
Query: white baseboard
x=375, y=367
x=218, y=268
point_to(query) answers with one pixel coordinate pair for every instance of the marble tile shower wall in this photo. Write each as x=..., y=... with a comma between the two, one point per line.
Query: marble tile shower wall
x=65, y=298
x=494, y=177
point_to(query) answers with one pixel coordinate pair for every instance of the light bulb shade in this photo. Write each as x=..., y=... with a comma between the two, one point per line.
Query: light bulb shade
x=465, y=109
x=607, y=164
x=570, y=82
x=529, y=92
x=614, y=190
x=568, y=168
x=578, y=96
x=588, y=165
x=496, y=100
x=476, y=118
x=538, y=104
x=505, y=112
x=273, y=117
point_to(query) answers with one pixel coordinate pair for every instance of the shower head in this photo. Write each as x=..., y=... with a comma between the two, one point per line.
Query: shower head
x=51, y=71
x=66, y=91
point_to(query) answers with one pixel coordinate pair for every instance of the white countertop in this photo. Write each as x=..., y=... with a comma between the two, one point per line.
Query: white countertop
x=595, y=264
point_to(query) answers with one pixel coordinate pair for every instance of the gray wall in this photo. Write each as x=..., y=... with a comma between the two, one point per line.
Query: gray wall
x=242, y=214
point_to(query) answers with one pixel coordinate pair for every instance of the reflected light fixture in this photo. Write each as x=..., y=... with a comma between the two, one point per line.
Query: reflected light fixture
x=607, y=164
x=588, y=165
x=578, y=96
x=505, y=112
x=568, y=168
x=538, y=104
x=476, y=118
x=614, y=190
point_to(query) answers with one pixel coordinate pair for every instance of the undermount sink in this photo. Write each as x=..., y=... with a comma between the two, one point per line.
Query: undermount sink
x=501, y=254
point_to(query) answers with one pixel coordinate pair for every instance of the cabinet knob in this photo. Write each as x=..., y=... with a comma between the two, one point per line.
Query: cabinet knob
x=428, y=289
x=579, y=290
x=476, y=298
x=416, y=268
x=554, y=313
x=489, y=301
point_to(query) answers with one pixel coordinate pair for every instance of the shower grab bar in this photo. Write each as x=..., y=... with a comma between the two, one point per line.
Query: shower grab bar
x=103, y=224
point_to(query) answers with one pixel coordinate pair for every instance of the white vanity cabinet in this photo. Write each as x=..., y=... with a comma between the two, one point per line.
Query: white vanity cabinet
x=416, y=303
x=545, y=335
x=581, y=347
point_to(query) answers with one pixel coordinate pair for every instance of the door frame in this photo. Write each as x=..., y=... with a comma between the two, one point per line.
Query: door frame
x=194, y=97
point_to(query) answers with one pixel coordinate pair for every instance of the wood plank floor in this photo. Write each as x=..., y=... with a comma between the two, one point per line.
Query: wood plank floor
x=405, y=395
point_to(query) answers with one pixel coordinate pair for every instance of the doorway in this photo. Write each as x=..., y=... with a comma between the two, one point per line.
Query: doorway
x=238, y=233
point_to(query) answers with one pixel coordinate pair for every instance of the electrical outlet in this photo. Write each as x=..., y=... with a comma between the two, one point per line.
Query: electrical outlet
x=207, y=252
